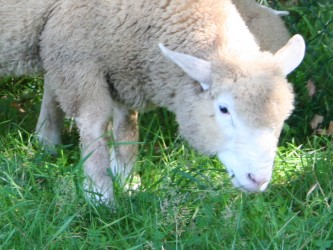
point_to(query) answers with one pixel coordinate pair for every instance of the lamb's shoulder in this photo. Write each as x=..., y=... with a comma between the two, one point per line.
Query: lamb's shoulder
x=138, y=71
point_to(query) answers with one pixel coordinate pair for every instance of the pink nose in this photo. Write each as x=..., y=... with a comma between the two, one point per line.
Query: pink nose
x=261, y=182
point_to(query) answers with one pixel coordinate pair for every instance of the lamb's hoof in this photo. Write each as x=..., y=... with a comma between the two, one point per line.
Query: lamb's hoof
x=48, y=146
x=95, y=195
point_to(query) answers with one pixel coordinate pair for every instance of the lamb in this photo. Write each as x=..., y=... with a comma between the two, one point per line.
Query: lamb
x=111, y=59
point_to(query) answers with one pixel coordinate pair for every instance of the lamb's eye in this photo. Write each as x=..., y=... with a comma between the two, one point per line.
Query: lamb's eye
x=224, y=110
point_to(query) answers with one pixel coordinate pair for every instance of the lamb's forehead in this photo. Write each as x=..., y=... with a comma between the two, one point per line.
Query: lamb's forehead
x=261, y=96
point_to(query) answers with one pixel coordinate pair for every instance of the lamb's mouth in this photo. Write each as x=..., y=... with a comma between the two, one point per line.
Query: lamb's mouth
x=232, y=175
x=260, y=188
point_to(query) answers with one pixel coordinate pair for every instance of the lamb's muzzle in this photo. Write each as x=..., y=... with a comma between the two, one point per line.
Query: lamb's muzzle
x=253, y=183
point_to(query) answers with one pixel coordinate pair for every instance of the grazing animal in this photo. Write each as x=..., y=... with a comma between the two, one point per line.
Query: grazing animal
x=200, y=59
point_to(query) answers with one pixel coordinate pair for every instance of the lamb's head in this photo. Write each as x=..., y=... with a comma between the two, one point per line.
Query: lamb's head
x=240, y=112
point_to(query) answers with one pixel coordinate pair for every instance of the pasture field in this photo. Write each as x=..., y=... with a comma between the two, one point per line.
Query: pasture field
x=185, y=200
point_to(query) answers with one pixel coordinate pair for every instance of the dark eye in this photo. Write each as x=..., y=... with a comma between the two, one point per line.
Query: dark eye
x=224, y=110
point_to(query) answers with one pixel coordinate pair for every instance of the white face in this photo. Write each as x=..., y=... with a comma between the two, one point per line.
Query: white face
x=247, y=153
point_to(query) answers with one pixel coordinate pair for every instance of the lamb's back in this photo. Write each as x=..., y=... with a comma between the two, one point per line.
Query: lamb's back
x=118, y=40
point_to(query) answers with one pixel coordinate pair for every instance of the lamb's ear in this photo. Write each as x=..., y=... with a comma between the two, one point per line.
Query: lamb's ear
x=198, y=69
x=291, y=55
x=276, y=12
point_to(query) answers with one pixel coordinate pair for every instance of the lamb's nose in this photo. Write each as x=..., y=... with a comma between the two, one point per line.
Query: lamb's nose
x=261, y=183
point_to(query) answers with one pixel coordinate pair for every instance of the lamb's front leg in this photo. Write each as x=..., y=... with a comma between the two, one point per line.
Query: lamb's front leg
x=92, y=122
x=51, y=119
x=125, y=150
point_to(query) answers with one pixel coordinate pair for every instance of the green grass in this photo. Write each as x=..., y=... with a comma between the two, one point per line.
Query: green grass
x=186, y=200
x=314, y=20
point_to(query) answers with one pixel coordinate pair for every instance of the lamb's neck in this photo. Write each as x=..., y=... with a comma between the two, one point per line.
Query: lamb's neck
x=233, y=39
x=236, y=40
x=175, y=93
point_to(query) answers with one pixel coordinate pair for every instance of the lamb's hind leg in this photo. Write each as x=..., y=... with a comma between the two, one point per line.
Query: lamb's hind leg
x=92, y=120
x=51, y=119
x=125, y=150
